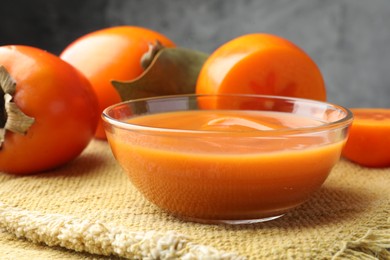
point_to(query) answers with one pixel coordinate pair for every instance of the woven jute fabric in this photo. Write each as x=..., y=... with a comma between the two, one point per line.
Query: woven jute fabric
x=348, y=218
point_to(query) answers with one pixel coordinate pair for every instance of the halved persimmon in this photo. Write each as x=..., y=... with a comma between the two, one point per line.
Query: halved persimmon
x=261, y=64
x=369, y=137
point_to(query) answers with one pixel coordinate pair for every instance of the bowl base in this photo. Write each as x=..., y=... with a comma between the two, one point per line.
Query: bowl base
x=231, y=221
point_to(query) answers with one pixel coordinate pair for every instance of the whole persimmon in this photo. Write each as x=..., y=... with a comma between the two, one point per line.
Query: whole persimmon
x=261, y=64
x=369, y=137
x=111, y=54
x=49, y=111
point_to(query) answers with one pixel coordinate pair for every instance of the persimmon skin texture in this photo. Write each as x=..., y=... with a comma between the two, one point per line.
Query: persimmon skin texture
x=369, y=137
x=261, y=64
x=63, y=104
x=111, y=54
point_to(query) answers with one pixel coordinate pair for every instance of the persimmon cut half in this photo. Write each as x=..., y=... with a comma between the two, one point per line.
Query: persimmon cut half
x=261, y=64
x=369, y=137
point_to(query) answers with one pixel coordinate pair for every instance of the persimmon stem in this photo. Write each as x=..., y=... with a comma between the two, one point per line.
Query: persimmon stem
x=148, y=57
x=11, y=117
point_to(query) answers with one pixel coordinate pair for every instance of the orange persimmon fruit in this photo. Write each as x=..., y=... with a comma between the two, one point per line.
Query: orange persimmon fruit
x=369, y=137
x=261, y=64
x=111, y=54
x=61, y=102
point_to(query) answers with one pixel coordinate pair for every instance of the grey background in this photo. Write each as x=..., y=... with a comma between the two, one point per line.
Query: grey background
x=348, y=39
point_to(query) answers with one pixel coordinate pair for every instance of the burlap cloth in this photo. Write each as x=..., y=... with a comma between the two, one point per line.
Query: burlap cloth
x=347, y=219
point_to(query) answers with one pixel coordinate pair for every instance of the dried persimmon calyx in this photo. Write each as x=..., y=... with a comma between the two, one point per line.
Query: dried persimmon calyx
x=11, y=117
x=168, y=71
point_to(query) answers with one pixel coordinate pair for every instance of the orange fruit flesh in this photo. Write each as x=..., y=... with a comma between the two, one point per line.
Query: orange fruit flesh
x=369, y=137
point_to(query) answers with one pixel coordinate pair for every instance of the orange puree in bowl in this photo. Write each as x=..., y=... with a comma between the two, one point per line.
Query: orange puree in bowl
x=227, y=165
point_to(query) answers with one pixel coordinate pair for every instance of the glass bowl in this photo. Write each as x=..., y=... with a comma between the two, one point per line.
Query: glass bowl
x=227, y=158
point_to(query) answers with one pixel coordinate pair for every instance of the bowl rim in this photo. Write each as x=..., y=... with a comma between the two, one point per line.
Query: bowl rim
x=343, y=122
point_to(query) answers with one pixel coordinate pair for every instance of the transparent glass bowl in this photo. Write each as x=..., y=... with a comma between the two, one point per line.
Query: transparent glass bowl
x=251, y=159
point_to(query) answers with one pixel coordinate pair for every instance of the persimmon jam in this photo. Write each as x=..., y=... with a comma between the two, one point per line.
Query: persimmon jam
x=225, y=164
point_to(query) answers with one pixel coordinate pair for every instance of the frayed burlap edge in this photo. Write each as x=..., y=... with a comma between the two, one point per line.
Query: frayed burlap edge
x=102, y=238
x=375, y=244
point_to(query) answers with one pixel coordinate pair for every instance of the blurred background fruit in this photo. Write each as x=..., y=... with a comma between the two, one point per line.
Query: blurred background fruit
x=349, y=40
